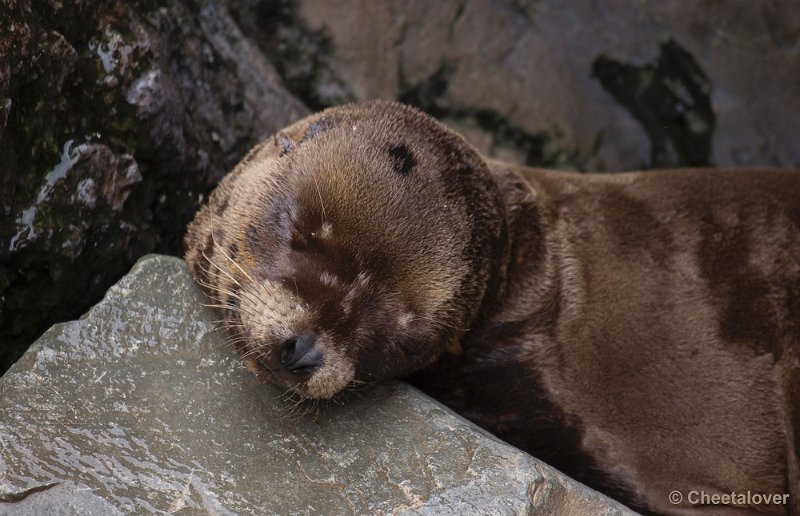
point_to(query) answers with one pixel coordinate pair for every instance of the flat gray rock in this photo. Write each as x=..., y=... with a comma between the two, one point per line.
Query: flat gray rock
x=141, y=407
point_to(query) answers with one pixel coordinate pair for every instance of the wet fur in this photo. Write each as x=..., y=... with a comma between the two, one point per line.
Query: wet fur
x=638, y=331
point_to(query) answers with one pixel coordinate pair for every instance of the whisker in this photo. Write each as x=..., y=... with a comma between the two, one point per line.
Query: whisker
x=225, y=254
x=223, y=271
x=319, y=194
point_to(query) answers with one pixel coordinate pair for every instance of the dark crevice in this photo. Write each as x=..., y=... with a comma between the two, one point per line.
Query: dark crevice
x=301, y=55
x=539, y=148
x=670, y=98
x=18, y=496
x=425, y=94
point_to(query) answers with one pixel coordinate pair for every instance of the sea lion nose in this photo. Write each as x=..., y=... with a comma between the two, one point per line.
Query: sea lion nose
x=300, y=355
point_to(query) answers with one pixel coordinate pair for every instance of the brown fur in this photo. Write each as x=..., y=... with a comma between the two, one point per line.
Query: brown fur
x=639, y=331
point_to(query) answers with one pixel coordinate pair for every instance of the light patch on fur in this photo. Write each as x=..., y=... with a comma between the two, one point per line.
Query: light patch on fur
x=326, y=278
x=327, y=230
x=404, y=319
x=334, y=374
x=359, y=285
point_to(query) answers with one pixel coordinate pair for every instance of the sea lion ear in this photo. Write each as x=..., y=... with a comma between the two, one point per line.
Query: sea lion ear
x=320, y=125
x=284, y=143
x=287, y=139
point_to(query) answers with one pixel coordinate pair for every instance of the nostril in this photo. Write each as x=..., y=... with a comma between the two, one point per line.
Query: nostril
x=299, y=354
x=287, y=350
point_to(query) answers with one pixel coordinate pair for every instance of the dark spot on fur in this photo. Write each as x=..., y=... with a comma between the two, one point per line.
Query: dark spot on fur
x=222, y=205
x=218, y=236
x=751, y=317
x=320, y=126
x=744, y=299
x=252, y=237
x=279, y=218
x=233, y=251
x=299, y=241
x=209, y=247
x=402, y=159
x=634, y=228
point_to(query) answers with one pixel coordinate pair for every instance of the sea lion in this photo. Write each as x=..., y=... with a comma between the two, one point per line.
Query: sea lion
x=639, y=331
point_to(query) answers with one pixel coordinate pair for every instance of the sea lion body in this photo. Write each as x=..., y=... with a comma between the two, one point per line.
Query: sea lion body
x=662, y=352
x=639, y=331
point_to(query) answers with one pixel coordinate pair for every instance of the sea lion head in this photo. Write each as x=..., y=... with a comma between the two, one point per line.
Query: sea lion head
x=357, y=244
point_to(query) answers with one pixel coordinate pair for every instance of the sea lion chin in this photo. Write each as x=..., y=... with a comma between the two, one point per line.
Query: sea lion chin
x=340, y=252
x=638, y=331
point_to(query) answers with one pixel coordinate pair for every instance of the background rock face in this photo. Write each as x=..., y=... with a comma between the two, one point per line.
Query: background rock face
x=117, y=118
x=605, y=85
x=140, y=407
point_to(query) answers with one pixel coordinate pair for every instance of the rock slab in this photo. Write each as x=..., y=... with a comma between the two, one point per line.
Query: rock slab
x=140, y=406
